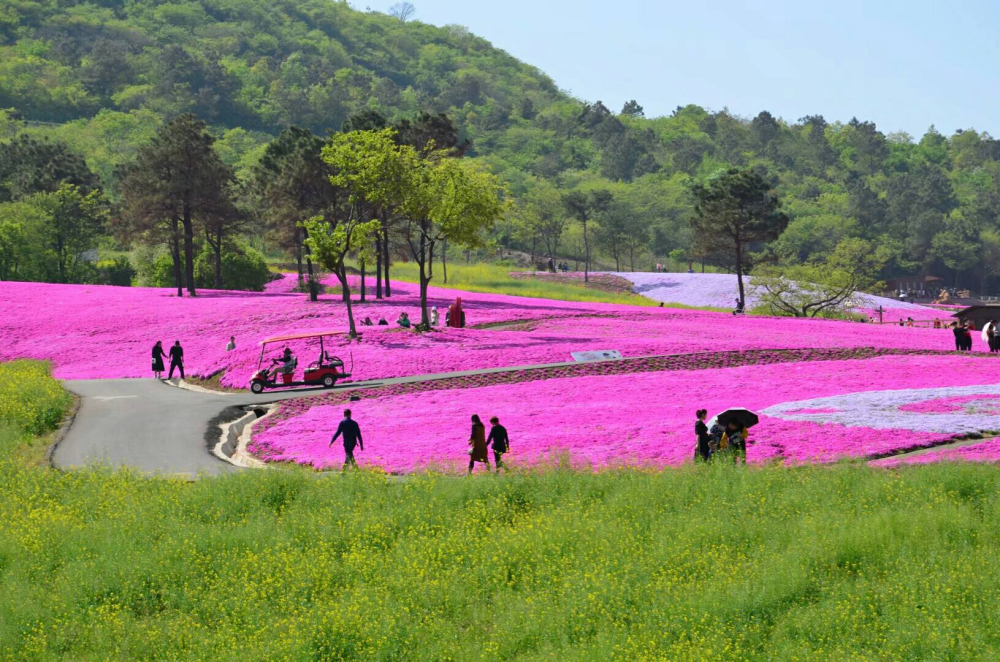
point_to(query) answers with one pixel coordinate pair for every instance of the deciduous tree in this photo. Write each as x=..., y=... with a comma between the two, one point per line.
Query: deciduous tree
x=734, y=210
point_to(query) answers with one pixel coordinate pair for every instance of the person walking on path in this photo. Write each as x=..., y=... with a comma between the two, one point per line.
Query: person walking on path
x=500, y=441
x=158, y=355
x=232, y=344
x=176, y=359
x=351, y=432
x=477, y=444
x=703, y=450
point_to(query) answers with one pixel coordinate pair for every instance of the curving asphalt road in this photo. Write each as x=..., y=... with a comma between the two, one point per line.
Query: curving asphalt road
x=160, y=428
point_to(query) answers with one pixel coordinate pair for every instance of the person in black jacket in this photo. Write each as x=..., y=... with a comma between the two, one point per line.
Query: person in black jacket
x=176, y=359
x=158, y=355
x=500, y=442
x=703, y=450
x=352, y=437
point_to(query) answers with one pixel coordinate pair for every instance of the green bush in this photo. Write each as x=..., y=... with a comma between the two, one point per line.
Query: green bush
x=117, y=271
x=29, y=398
x=153, y=267
x=243, y=268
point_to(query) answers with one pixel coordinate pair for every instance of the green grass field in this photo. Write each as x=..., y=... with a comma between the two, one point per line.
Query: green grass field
x=494, y=279
x=715, y=562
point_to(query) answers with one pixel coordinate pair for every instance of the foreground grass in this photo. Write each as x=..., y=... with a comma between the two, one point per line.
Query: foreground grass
x=835, y=563
x=713, y=562
x=493, y=279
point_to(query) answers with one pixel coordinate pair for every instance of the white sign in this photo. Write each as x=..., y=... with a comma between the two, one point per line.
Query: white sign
x=596, y=355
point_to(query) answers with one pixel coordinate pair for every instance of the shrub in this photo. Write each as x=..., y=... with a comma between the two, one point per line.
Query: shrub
x=243, y=268
x=117, y=271
x=153, y=267
x=29, y=398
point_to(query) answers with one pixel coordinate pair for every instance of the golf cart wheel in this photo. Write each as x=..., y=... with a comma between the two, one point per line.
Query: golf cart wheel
x=329, y=381
x=257, y=387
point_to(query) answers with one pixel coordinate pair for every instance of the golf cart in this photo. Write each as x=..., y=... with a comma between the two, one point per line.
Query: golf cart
x=325, y=372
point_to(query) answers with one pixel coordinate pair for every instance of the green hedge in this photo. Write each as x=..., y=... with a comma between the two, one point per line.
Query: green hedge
x=29, y=398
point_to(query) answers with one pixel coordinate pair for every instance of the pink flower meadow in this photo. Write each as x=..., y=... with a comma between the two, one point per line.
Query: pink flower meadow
x=91, y=331
x=645, y=418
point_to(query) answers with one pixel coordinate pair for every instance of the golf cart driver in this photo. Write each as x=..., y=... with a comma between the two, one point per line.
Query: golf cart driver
x=285, y=365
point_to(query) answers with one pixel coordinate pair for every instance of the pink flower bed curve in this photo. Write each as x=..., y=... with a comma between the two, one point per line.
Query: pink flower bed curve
x=643, y=418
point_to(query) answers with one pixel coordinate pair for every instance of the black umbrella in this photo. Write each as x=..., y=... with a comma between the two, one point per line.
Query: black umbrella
x=744, y=418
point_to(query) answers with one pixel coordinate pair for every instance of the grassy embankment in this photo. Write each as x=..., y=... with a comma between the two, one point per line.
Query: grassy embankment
x=495, y=279
x=695, y=563
x=32, y=404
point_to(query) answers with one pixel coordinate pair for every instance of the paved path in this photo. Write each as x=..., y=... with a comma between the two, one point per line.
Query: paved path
x=157, y=427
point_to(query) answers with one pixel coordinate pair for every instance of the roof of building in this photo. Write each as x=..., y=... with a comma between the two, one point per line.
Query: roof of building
x=985, y=306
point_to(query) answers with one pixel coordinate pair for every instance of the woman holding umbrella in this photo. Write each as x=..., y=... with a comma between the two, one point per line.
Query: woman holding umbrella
x=736, y=422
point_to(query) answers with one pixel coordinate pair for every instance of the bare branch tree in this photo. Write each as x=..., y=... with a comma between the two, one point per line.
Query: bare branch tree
x=404, y=11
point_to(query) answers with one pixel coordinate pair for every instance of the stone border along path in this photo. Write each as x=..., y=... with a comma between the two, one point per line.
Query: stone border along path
x=662, y=363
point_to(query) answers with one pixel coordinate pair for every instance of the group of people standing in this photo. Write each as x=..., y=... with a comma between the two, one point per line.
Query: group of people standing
x=176, y=355
x=728, y=441
x=963, y=336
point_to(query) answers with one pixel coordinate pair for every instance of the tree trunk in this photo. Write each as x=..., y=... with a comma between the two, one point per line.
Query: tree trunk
x=444, y=260
x=425, y=279
x=298, y=263
x=189, y=251
x=586, y=254
x=385, y=261
x=739, y=275
x=218, y=259
x=346, y=291
x=175, y=253
x=313, y=286
x=378, y=267
x=362, y=281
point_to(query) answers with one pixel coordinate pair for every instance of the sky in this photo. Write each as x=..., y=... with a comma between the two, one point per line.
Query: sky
x=903, y=65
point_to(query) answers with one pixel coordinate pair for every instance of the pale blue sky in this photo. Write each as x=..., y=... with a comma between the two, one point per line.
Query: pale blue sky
x=904, y=65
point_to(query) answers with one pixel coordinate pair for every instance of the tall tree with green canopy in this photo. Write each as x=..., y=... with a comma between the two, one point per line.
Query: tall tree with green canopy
x=333, y=245
x=733, y=210
x=583, y=206
x=447, y=200
x=177, y=179
x=293, y=181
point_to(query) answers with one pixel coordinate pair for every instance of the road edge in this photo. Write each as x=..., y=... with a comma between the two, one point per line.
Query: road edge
x=64, y=426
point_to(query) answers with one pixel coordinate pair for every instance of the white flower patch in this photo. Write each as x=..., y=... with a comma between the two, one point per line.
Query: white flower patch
x=881, y=410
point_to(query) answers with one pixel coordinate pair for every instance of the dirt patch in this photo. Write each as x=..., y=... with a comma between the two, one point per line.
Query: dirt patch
x=214, y=383
x=602, y=282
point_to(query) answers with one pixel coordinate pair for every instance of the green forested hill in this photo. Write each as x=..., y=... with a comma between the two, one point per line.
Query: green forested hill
x=105, y=74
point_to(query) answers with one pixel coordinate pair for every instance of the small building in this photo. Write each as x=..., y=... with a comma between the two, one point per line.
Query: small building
x=926, y=284
x=978, y=315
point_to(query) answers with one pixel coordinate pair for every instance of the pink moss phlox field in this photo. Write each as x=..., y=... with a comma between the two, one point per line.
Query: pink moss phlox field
x=643, y=418
x=984, y=451
x=91, y=331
